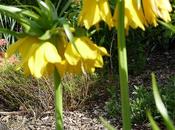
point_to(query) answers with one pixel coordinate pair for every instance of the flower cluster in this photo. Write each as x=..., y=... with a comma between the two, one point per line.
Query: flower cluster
x=42, y=57
x=45, y=45
x=138, y=13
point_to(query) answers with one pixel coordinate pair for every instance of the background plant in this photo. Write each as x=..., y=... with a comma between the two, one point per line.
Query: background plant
x=161, y=108
x=11, y=24
x=18, y=91
x=142, y=99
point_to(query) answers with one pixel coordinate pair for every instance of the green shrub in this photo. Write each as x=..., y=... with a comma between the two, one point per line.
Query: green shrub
x=17, y=90
x=77, y=90
x=142, y=99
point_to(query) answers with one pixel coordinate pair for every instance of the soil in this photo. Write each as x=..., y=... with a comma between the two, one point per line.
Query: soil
x=162, y=63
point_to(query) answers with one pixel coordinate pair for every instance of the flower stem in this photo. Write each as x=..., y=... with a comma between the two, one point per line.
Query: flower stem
x=58, y=101
x=123, y=68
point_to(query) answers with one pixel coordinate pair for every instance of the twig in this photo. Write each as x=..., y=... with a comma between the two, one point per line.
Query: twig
x=14, y=113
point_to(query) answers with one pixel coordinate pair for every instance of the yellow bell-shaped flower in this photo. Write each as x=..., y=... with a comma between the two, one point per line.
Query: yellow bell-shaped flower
x=133, y=15
x=94, y=11
x=164, y=7
x=36, y=55
x=140, y=15
x=44, y=54
x=156, y=8
x=82, y=56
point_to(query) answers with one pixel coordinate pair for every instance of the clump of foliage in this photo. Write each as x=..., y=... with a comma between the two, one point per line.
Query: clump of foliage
x=17, y=91
x=78, y=90
x=142, y=100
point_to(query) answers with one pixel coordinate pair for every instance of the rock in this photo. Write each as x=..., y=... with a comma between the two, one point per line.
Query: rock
x=3, y=127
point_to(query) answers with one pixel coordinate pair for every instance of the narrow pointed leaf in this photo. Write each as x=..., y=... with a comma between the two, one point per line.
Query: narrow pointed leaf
x=160, y=106
x=106, y=124
x=65, y=7
x=167, y=25
x=17, y=34
x=70, y=36
x=153, y=123
x=11, y=9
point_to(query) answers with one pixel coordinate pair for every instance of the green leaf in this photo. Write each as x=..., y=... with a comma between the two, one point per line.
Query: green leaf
x=106, y=124
x=167, y=25
x=31, y=14
x=44, y=9
x=70, y=36
x=11, y=9
x=66, y=6
x=17, y=34
x=46, y=35
x=58, y=4
x=153, y=123
x=68, y=33
x=12, y=12
x=53, y=11
x=160, y=106
x=43, y=5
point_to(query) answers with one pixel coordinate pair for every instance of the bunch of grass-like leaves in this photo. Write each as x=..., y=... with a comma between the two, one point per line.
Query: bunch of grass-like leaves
x=36, y=21
x=7, y=22
x=161, y=108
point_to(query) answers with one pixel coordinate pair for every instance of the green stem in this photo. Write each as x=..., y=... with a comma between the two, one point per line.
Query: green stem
x=58, y=101
x=123, y=68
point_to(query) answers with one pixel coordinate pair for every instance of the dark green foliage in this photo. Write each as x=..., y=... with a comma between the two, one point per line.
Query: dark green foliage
x=142, y=99
x=136, y=46
x=17, y=2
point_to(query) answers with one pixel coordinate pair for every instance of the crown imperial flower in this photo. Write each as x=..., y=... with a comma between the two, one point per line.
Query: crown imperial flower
x=94, y=11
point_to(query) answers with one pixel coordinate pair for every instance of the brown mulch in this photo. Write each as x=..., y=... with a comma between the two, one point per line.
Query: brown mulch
x=163, y=64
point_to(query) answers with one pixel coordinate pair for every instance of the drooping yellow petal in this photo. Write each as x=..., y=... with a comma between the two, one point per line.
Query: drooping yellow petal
x=84, y=48
x=105, y=12
x=132, y=17
x=139, y=12
x=88, y=66
x=61, y=43
x=61, y=67
x=51, y=53
x=90, y=13
x=71, y=54
x=14, y=47
x=26, y=46
x=26, y=69
x=46, y=53
x=150, y=10
x=164, y=7
x=31, y=64
x=83, y=56
x=99, y=62
x=103, y=51
x=94, y=11
x=64, y=67
x=25, y=56
x=40, y=61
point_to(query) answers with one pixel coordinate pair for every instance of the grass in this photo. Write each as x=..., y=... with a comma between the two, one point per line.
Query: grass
x=17, y=90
